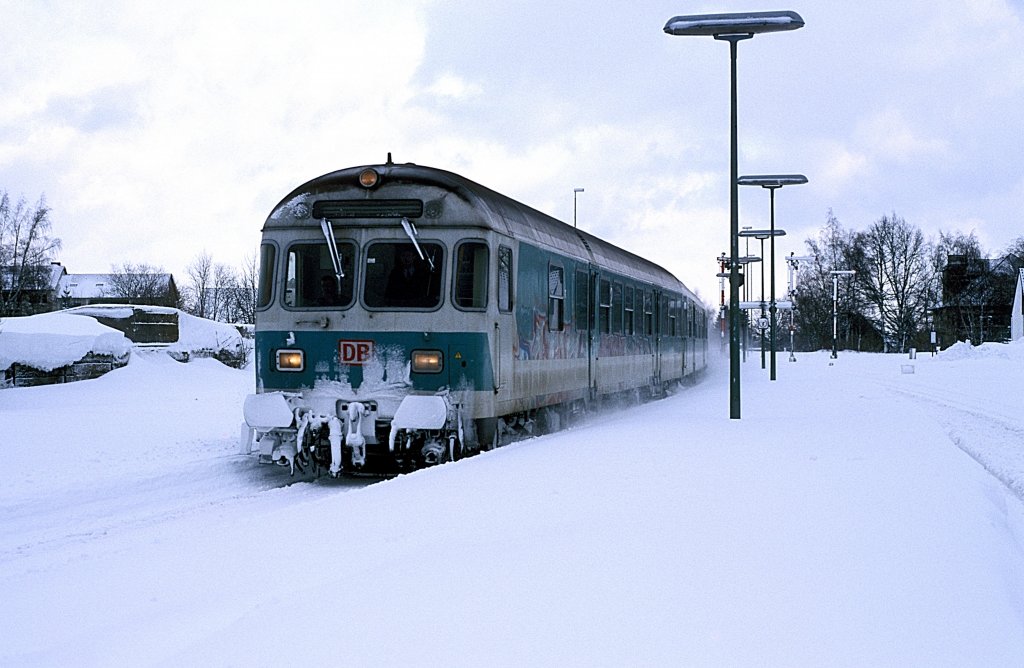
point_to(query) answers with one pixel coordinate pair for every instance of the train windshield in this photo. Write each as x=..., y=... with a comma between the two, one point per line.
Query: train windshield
x=398, y=277
x=312, y=281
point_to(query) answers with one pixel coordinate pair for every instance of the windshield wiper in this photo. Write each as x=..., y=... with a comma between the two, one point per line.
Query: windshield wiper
x=332, y=246
x=410, y=231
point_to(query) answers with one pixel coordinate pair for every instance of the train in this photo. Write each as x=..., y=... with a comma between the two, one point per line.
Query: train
x=408, y=316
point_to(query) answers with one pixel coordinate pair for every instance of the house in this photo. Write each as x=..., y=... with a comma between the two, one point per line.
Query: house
x=142, y=289
x=30, y=290
x=977, y=296
x=1017, y=318
x=82, y=289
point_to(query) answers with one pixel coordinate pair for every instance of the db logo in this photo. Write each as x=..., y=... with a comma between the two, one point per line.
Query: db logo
x=355, y=352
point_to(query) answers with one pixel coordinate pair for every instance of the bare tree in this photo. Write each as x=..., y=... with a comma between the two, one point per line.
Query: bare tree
x=248, y=279
x=225, y=287
x=832, y=250
x=26, y=251
x=200, y=273
x=895, y=276
x=138, y=283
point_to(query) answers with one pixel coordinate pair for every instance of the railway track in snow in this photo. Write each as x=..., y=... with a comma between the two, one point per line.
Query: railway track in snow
x=88, y=519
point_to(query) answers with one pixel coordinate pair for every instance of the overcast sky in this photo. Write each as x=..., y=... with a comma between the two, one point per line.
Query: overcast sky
x=159, y=130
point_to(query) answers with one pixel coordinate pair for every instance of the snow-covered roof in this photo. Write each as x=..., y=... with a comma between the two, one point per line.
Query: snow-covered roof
x=84, y=286
x=55, y=272
x=94, y=286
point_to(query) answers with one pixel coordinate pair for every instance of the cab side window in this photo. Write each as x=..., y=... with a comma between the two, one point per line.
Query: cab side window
x=268, y=261
x=471, y=264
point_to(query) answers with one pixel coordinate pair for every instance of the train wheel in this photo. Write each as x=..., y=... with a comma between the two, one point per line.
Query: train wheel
x=487, y=433
x=549, y=419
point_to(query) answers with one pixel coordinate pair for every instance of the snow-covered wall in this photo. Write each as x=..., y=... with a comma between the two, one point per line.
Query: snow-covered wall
x=48, y=341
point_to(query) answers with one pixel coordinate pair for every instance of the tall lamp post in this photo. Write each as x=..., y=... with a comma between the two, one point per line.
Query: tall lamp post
x=772, y=182
x=761, y=235
x=575, y=191
x=744, y=305
x=835, y=303
x=733, y=28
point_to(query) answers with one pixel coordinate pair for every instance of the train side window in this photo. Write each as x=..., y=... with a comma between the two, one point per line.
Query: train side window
x=268, y=260
x=504, y=278
x=311, y=281
x=604, y=315
x=617, y=307
x=471, y=263
x=630, y=311
x=556, y=298
x=581, y=301
x=648, y=314
x=673, y=318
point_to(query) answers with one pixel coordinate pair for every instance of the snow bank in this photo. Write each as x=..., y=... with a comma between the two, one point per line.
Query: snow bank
x=48, y=341
x=198, y=335
x=963, y=350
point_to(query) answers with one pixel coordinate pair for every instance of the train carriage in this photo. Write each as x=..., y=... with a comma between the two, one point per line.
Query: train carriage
x=408, y=316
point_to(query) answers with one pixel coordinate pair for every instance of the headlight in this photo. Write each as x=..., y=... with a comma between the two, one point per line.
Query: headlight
x=427, y=361
x=291, y=360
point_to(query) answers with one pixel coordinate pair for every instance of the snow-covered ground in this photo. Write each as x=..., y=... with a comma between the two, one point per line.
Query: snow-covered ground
x=858, y=515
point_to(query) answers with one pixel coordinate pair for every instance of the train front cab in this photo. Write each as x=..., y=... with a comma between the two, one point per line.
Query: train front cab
x=351, y=378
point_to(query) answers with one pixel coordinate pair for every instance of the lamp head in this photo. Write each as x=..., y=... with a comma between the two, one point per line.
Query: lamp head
x=749, y=23
x=772, y=180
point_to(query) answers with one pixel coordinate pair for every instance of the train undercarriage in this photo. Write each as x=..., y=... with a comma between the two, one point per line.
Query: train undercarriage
x=355, y=440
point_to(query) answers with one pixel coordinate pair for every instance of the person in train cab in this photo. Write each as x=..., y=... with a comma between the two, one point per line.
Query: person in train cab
x=407, y=284
x=328, y=291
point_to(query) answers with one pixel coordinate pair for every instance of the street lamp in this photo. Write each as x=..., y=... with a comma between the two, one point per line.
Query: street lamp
x=746, y=251
x=835, y=303
x=575, y=191
x=761, y=235
x=744, y=305
x=772, y=182
x=733, y=28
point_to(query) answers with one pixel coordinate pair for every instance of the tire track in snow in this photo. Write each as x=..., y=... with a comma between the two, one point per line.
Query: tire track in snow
x=992, y=439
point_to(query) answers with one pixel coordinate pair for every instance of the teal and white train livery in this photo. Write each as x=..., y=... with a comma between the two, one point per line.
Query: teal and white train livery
x=408, y=316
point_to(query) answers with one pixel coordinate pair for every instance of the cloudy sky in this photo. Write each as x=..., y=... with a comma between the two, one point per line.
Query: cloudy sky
x=157, y=131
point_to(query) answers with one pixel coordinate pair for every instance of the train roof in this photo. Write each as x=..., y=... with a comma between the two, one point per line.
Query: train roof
x=505, y=215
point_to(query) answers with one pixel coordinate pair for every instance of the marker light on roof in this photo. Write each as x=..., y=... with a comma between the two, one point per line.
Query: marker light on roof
x=368, y=178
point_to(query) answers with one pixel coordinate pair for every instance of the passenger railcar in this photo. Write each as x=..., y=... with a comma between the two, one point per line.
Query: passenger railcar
x=408, y=316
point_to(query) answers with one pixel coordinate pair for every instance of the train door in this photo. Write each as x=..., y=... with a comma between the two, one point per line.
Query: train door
x=583, y=318
x=503, y=333
x=687, y=329
x=658, y=316
x=595, y=318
